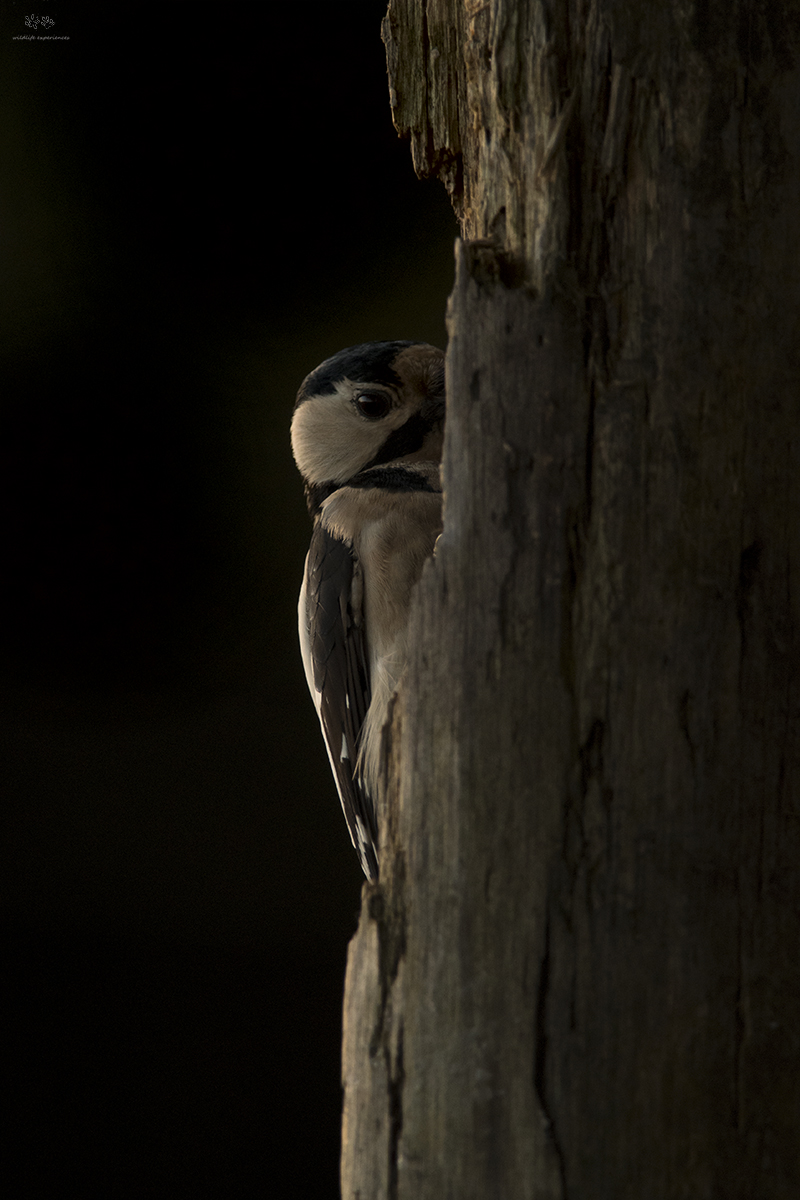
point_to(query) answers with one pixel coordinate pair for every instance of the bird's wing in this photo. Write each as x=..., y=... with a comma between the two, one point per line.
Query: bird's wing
x=334, y=656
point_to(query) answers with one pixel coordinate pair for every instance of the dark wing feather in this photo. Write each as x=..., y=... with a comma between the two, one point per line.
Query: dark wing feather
x=338, y=674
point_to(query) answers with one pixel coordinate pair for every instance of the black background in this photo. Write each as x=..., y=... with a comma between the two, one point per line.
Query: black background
x=199, y=203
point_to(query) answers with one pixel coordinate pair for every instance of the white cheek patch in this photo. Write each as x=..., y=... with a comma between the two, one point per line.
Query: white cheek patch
x=331, y=442
x=323, y=432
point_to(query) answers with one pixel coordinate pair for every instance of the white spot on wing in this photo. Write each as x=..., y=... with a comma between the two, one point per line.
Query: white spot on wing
x=363, y=834
x=305, y=644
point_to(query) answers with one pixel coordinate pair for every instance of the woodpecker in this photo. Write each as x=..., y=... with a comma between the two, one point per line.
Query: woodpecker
x=367, y=434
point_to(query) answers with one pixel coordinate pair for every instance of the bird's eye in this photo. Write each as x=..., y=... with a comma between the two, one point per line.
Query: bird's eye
x=373, y=405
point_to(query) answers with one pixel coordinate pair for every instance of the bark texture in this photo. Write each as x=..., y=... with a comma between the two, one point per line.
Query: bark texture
x=579, y=975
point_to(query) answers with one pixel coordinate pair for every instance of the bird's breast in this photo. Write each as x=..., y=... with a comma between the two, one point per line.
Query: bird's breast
x=392, y=534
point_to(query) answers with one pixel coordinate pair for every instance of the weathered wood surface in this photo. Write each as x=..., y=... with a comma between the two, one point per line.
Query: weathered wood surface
x=579, y=976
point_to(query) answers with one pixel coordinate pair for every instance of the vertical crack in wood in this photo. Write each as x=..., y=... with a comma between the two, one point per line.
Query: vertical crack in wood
x=684, y=718
x=748, y=568
x=750, y=560
x=395, y=1074
x=387, y=910
x=589, y=459
x=739, y=1018
x=424, y=165
x=540, y=1059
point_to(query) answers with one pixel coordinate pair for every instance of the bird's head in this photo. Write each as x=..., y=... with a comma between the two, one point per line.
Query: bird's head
x=377, y=403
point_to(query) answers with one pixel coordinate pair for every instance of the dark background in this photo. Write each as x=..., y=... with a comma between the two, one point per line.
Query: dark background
x=199, y=203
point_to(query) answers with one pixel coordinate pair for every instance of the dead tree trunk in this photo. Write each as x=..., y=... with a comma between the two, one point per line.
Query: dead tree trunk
x=580, y=973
